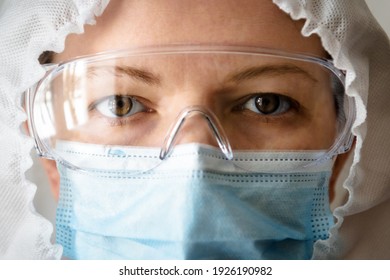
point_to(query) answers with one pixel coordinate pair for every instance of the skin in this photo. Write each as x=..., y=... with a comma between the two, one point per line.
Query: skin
x=127, y=24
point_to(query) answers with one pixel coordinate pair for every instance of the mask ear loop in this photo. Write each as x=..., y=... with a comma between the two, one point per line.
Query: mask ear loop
x=213, y=123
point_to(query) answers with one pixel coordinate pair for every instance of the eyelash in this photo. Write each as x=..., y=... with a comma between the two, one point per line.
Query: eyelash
x=113, y=120
x=249, y=108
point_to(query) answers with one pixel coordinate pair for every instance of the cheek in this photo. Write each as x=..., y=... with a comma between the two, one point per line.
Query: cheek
x=52, y=175
x=323, y=128
x=321, y=131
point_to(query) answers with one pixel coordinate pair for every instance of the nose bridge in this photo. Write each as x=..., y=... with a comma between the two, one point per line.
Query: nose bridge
x=190, y=133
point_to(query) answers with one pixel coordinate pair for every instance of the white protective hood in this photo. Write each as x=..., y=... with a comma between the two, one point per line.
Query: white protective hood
x=348, y=32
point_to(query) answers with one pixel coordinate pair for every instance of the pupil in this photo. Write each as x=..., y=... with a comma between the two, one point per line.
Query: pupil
x=267, y=104
x=120, y=105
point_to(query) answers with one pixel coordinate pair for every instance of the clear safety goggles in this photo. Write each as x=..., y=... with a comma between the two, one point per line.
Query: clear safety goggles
x=237, y=99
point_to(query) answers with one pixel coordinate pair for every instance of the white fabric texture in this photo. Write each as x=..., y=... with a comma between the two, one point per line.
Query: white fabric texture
x=358, y=45
x=348, y=32
x=27, y=28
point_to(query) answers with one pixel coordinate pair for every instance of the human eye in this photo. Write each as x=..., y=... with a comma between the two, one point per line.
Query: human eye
x=118, y=106
x=270, y=104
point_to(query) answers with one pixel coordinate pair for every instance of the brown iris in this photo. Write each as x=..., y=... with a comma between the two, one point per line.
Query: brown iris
x=120, y=105
x=267, y=103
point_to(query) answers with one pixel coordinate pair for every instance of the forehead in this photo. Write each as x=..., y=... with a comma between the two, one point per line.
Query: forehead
x=137, y=23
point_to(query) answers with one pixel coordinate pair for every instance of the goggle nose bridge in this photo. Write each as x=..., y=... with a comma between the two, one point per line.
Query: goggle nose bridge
x=215, y=126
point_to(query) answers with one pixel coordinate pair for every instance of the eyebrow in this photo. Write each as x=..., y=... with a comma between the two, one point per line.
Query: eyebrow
x=269, y=70
x=246, y=74
x=138, y=74
x=131, y=72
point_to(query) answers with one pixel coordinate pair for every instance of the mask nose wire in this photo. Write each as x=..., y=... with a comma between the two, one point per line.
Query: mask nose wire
x=213, y=123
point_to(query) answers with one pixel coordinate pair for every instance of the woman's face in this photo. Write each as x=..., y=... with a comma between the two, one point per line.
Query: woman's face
x=251, y=23
x=221, y=83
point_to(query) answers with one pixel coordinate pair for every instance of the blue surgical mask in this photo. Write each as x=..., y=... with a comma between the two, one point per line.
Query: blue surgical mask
x=195, y=205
